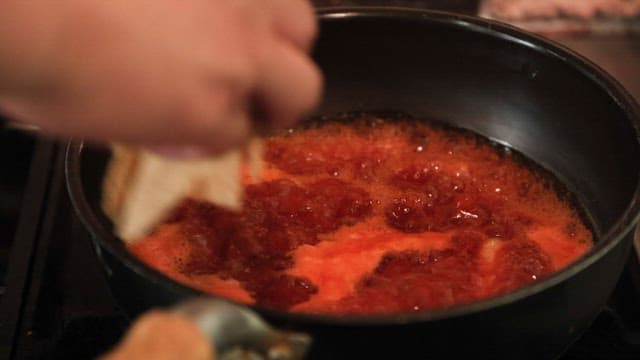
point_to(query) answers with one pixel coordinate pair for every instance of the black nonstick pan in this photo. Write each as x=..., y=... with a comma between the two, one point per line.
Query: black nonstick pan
x=515, y=88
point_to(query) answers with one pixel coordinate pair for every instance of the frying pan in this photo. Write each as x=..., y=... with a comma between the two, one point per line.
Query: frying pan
x=515, y=88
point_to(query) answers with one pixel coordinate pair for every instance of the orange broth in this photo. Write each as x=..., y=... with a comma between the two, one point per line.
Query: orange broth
x=374, y=216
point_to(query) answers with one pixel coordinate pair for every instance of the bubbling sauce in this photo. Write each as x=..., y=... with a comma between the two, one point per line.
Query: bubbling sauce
x=374, y=216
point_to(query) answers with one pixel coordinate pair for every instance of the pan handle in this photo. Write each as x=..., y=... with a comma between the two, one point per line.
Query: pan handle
x=202, y=327
x=236, y=330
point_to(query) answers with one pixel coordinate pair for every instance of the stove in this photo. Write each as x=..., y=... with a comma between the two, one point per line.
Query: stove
x=54, y=299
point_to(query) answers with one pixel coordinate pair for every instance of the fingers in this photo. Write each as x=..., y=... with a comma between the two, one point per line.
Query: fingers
x=229, y=133
x=289, y=85
x=210, y=124
x=295, y=21
x=203, y=122
x=162, y=335
x=208, y=114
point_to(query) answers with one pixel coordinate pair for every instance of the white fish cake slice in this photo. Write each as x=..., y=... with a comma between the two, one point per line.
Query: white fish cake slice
x=141, y=188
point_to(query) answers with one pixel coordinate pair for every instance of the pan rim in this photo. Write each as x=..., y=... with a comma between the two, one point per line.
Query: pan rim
x=609, y=239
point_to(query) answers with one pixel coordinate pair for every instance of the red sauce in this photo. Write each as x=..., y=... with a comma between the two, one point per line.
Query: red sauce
x=373, y=217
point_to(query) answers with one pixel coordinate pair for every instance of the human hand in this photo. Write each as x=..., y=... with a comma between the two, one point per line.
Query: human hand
x=157, y=72
x=162, y=336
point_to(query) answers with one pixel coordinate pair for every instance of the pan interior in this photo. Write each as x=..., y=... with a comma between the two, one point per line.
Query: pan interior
x=510, y=87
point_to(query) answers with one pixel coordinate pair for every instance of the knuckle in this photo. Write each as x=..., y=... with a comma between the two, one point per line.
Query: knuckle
x=314, y=84
x=307, y=23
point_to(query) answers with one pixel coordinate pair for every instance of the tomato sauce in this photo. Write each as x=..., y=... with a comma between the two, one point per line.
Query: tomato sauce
x=374, y=216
